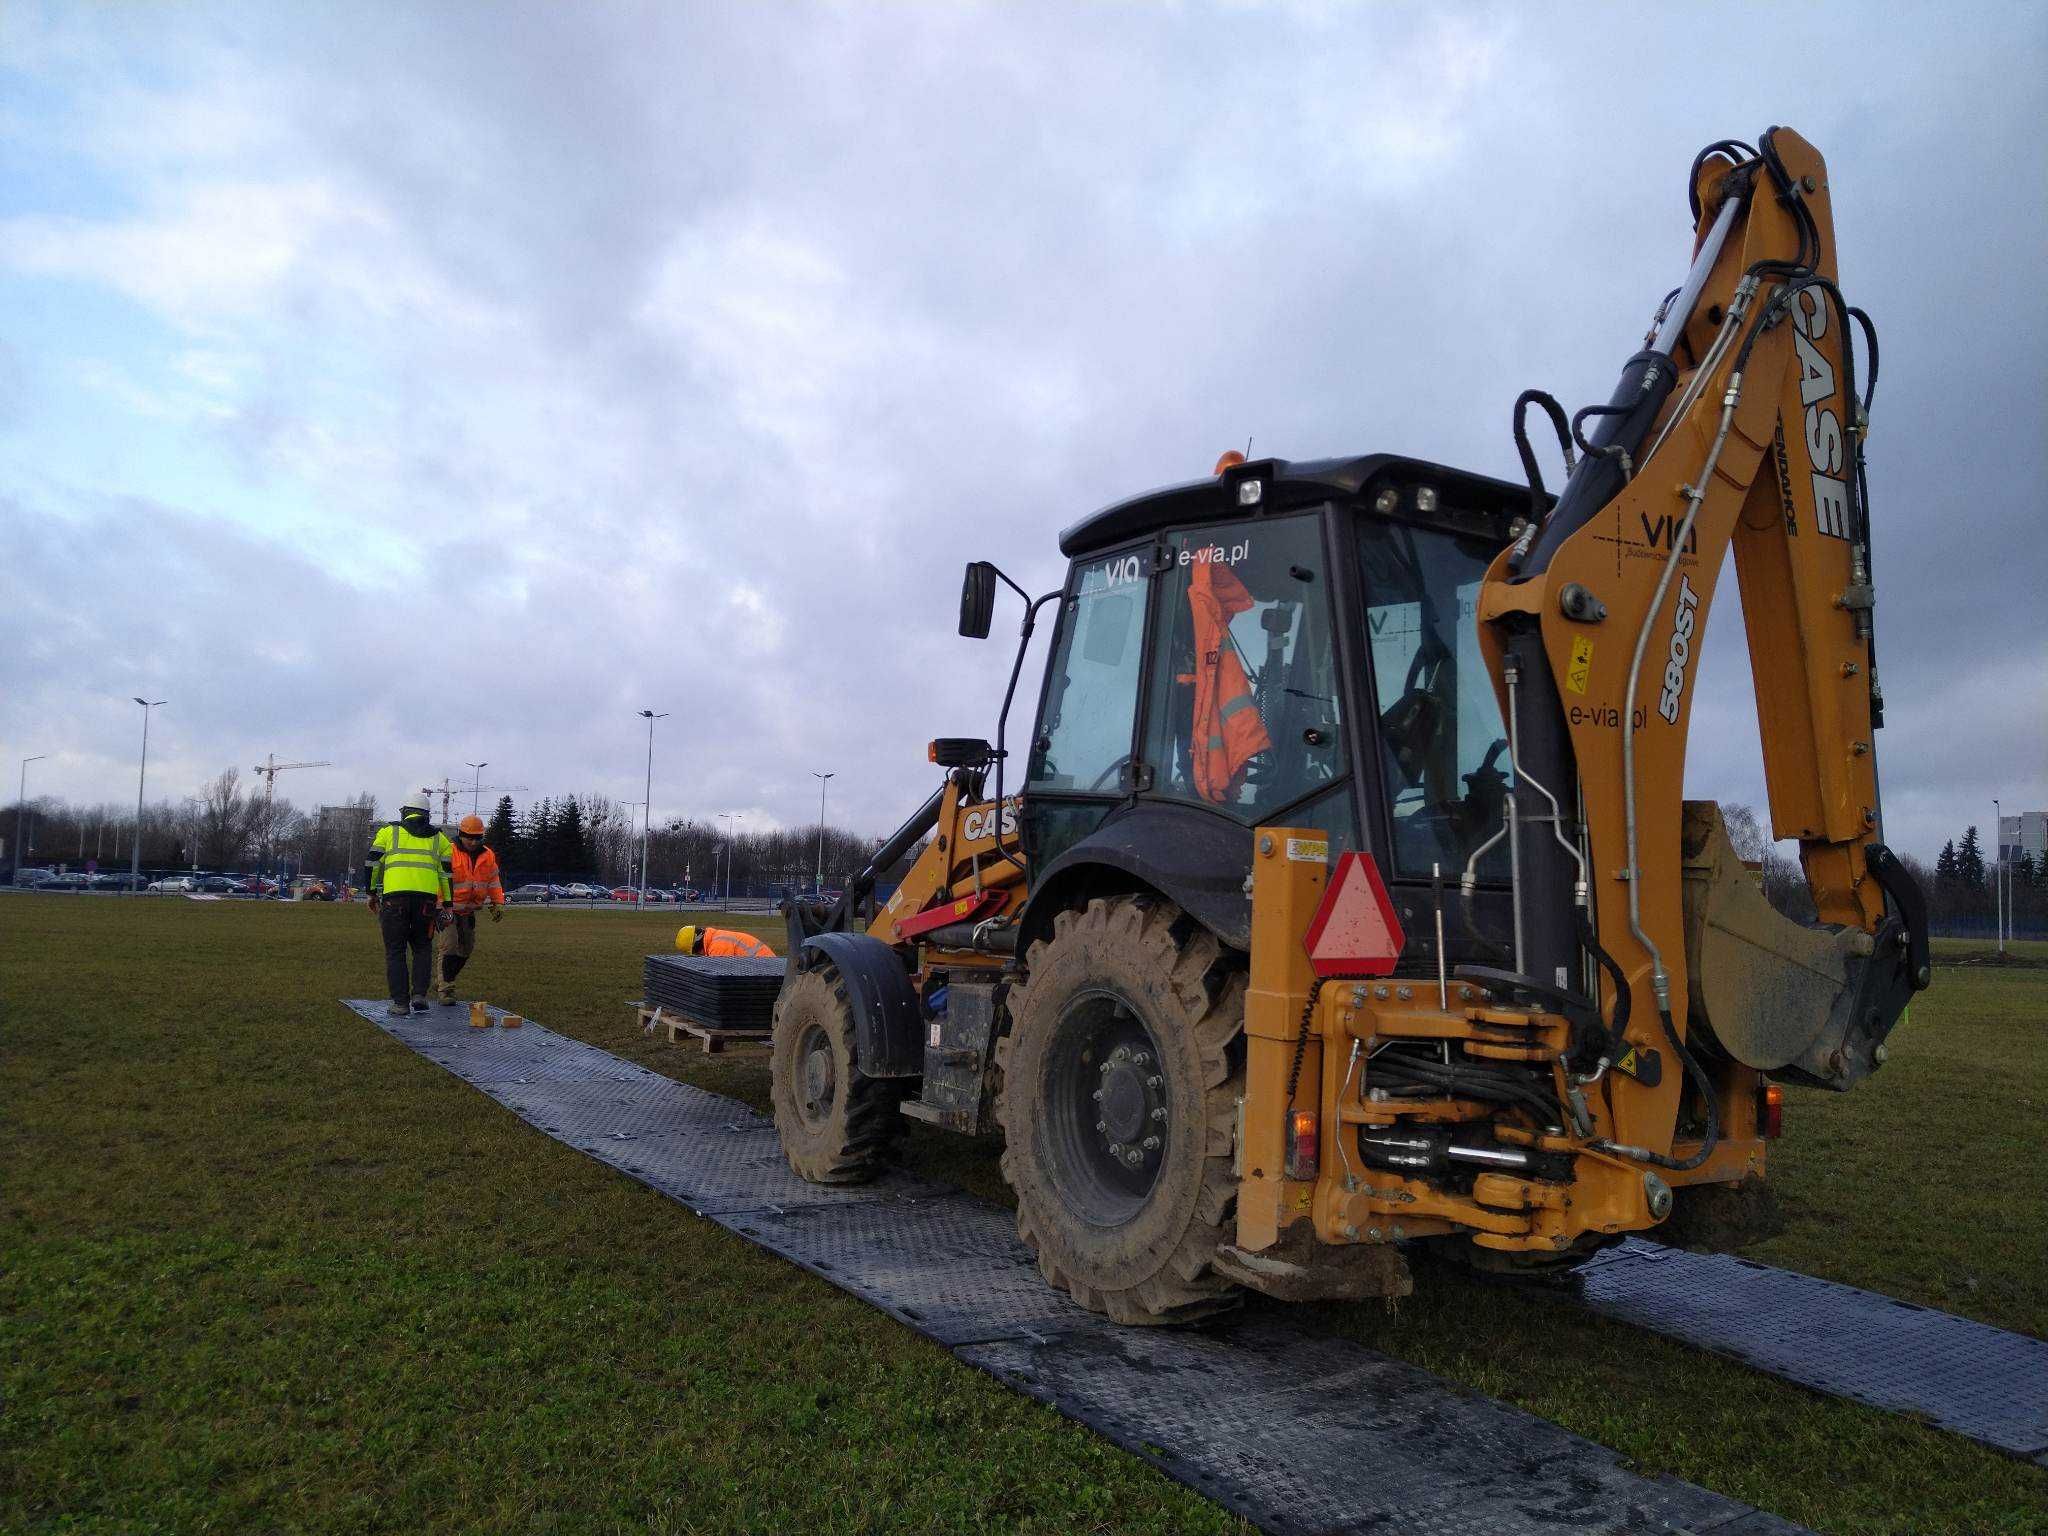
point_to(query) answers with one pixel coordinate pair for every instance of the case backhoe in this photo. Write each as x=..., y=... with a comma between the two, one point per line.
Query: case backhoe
x=1349, y=896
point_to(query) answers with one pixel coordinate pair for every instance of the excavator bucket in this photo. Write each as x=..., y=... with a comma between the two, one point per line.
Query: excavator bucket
x=1809, y=1004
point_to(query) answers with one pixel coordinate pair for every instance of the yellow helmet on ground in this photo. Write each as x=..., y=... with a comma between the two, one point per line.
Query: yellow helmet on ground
x=686, y=938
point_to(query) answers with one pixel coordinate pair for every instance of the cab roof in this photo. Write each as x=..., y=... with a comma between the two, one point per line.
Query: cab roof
x=1288, y=484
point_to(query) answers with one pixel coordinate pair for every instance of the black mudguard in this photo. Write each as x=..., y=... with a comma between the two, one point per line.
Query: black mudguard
x=887, y=1020
x=1196, y=859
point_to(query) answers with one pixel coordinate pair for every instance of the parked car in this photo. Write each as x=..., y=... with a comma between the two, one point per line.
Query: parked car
x=632, y=893
x=117, y=882
x=218, y=885
x=29, y=879
x=313, y=888
x=70, y=880
x=684, y=893
x=174, y=885
x=534, y=892
x=256, y=885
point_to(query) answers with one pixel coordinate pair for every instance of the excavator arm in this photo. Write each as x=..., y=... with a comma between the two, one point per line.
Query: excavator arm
x=1739, y=424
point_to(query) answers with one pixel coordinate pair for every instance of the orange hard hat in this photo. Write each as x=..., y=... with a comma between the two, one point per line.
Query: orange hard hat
x=472, y=826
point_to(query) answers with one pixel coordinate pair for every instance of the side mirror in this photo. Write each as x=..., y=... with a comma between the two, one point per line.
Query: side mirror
x=977, y=599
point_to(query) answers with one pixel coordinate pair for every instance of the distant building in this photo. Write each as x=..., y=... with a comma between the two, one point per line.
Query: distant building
x=2026, y=833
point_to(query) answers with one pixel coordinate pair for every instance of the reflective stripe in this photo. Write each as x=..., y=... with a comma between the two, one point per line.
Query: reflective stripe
x=1242, y=702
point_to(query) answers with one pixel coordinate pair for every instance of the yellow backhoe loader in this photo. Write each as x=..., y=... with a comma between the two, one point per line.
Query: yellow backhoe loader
x=1349, y=899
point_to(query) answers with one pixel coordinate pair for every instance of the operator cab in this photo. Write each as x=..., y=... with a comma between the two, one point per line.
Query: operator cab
x=1283, y=644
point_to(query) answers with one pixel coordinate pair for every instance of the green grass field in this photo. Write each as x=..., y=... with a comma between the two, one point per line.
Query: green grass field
x=266, y=1269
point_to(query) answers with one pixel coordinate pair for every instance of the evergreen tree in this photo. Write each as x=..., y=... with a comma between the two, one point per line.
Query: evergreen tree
x=1970, y=861
x=571, y=846
x=540, y=837
x=500, y=834
x=1945, y=866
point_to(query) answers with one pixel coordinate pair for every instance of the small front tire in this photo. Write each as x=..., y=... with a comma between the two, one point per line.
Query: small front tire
x=837, y=1126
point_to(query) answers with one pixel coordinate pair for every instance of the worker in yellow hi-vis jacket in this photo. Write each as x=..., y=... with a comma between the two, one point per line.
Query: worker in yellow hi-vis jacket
x=410, y=876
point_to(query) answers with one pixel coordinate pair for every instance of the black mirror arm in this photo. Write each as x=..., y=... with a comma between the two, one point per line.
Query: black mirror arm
x=1032, y=605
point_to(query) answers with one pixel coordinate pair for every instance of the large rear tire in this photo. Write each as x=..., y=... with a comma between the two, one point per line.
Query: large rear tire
x=1121, y=1076
x=837, y=1126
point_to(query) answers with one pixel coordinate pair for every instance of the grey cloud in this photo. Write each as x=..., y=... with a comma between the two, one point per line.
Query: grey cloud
x=687, y=352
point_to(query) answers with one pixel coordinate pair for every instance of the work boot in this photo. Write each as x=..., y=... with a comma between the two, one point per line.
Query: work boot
x=444, y=994
x=419, y=1005
x=396, y=1011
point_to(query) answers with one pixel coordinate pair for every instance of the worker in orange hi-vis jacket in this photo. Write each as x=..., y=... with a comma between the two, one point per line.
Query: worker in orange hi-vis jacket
x=692, y=940
x=475, y=870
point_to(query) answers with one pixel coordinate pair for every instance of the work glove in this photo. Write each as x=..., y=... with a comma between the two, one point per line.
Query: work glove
x=443, y=917
x=375, y=901
x=497, y=914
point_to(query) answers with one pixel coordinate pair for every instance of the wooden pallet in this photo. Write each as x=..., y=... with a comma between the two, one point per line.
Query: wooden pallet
x=714, y=1040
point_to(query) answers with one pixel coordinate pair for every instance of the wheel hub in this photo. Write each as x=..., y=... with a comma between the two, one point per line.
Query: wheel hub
x=1127, y=1103
x=1118, y=1131
x=818, y=1076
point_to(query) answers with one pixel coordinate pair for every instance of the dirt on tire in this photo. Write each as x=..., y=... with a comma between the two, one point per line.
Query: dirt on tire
x=1155, y=1265
x=836, y=1125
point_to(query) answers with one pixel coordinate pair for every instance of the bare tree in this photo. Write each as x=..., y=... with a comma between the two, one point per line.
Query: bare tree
x=227, y=820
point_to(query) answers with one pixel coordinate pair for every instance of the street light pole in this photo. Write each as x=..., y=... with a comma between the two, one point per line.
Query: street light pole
x=647, y=809
x=728, y=816
x=1997, y=864
x=818, y=885
x=141, y=777
x=476, y=792
x=20, y=803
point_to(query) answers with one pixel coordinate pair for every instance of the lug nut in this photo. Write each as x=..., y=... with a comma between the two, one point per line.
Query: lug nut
x=1102, y=1125
x=1096, y=1095
x=1154, y=1081
x=1140, y=1059
x=1160, y=1113
x=1134, y=1157
x=1151, y=1143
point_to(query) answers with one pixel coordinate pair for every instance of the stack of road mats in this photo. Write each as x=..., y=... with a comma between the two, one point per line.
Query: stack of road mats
x=716, y=991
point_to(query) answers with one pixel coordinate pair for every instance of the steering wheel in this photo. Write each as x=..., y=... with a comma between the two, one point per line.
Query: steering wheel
x=1115, y=768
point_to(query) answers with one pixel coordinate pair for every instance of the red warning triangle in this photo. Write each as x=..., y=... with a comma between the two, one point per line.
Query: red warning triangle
x=1355, y=931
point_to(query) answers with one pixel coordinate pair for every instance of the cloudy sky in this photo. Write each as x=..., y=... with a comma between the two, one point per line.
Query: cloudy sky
x=408, y=386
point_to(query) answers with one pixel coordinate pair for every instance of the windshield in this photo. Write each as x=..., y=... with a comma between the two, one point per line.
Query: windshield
x=1442, y=745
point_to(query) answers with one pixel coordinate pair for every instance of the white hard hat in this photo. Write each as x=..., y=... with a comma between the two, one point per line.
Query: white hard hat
x=413, y=802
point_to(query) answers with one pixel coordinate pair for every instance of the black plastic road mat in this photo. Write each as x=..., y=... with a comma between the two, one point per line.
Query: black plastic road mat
x=1965, y=1377
x=1296, y=1432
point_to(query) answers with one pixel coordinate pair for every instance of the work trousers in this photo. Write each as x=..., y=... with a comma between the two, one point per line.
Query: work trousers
x=407, y=923
x=453, y=946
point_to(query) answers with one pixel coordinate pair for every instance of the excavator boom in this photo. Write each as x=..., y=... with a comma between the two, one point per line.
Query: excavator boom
x=1739, y=425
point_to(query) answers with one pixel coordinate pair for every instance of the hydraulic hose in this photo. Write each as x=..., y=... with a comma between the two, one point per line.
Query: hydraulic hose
x=1623, y=999
x=1702, y=1086
x=1555, y=412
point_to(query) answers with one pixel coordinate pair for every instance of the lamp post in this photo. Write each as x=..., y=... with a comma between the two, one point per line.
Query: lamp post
x=1997, y=864
x=647, y=810
x=728, y=816
x=20, y=802
x=141, y=777
x=476, y=791
x=818, y=885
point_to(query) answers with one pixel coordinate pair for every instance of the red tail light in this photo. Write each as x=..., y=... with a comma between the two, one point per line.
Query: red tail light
x=1770, y=1111
x=1304, y=1144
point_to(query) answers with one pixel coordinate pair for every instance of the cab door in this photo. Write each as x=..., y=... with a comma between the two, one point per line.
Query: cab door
x=1083, y=749
x=1245, y=708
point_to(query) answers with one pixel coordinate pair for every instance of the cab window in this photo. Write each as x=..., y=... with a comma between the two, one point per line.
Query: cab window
x=1091, y=694
x=1244, y=712
x=1443, y=749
